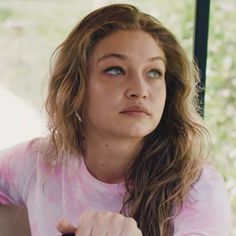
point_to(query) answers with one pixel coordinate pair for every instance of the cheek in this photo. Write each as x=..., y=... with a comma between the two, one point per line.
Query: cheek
x=163, y=97
x=100, y=100
x=94, y=101
x=159, y=101
x=100, y=92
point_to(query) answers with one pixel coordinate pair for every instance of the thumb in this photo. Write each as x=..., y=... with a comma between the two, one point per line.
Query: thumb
x=65, y=227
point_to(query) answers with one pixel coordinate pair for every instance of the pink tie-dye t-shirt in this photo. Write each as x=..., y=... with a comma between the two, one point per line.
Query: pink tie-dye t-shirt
x=70, y=189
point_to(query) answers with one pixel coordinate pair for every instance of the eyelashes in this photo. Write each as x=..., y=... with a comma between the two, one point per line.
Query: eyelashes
x=154, y=73
x=117, y=70
x=114, y=70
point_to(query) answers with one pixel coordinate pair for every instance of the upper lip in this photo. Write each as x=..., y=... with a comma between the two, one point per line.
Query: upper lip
x=137, y=108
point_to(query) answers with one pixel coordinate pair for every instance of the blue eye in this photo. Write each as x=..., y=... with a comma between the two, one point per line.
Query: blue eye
x=114, y=70
x=154, y=74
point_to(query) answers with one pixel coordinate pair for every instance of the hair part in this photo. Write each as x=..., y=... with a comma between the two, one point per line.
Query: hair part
x=172, y=157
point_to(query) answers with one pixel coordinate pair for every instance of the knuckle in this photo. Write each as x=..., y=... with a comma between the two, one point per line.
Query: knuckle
x=117, y=219
x=87, y=213
x=139, y=232
x=85, y=216
x=105, y=213
x=131, y=227
x=102, y=217
x=118, y=216
x=130, y=221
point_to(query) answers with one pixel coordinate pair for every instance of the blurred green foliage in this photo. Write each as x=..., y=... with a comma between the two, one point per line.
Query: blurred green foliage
x=5, y=14
x=31, y=29
x=220, y=93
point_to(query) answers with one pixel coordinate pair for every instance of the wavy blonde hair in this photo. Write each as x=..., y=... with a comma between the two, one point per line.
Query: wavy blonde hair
x=173, y=154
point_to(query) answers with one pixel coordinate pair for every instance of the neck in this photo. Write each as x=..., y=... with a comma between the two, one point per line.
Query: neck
x=107, y=159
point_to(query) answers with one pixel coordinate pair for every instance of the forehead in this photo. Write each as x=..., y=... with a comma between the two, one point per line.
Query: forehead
x=131, y=43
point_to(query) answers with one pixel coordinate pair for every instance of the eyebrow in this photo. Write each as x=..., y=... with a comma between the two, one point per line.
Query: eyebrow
x=124, y=57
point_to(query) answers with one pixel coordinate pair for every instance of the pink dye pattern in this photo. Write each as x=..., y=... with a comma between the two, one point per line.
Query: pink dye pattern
x=70, y=189
x=4, y=199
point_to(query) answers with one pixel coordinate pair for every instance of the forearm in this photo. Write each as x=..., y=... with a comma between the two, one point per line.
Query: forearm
x=13, y=221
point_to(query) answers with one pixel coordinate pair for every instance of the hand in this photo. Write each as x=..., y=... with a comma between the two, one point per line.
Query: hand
x=102, y=223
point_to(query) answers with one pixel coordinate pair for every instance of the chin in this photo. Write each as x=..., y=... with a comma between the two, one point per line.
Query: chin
x=137, y=133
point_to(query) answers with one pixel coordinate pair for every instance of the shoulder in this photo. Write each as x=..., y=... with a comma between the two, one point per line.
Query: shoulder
x=205, y=210
x=17, y=166
x=22, y=150
x=208, y=184
x=20, y=159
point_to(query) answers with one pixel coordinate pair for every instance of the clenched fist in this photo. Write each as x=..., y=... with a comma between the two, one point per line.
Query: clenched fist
x=102, y=223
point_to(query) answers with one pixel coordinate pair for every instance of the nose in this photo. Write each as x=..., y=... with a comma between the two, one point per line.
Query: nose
x=137, y=88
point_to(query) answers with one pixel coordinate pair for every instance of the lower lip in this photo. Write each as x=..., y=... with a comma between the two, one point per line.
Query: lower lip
x=134, y=113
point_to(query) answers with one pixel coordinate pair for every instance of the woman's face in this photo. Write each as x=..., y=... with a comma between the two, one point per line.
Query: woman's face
x=126, y=88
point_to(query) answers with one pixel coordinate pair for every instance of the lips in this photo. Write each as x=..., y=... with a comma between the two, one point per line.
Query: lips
x=136, y=109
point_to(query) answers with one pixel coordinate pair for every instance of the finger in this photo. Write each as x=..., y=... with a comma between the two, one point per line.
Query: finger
x=115, y=224
x=70, y=234
x=64, y=227
x=130, y=228
x=139, y=232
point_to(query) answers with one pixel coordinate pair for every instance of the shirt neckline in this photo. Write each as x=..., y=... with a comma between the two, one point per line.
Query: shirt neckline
x=99, y=183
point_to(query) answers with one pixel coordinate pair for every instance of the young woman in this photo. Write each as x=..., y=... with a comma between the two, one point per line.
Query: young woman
x=126, y=154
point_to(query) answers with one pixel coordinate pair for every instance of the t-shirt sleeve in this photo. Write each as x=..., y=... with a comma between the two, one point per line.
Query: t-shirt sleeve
x=16, y=168
x=206, y=211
